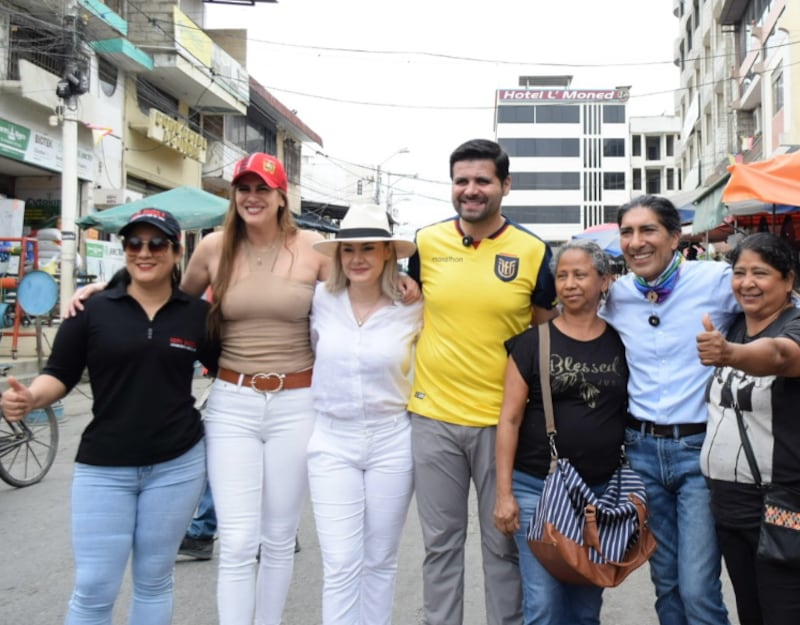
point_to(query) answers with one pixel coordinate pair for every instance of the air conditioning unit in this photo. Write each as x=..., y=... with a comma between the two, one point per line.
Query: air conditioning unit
x=104, y=198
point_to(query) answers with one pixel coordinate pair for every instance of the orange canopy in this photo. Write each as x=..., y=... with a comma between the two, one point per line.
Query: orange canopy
x=774, y=181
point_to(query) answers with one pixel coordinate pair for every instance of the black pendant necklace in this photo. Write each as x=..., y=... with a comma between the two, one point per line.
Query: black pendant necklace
x=654, y=320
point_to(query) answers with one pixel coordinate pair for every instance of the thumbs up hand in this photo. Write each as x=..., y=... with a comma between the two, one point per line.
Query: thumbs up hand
x=712, y=348
x=17, y=400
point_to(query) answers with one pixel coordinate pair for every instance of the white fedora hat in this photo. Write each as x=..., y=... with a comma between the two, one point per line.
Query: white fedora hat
x=365, y=223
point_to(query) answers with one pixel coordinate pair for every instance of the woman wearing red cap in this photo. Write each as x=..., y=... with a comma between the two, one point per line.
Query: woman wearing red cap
x=259, y=417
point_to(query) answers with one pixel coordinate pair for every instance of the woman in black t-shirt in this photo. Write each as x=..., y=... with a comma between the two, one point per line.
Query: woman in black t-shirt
x=589, y=379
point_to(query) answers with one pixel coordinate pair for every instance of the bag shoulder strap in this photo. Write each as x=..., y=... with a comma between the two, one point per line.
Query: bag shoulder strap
x=547, y=395
x=748, y=448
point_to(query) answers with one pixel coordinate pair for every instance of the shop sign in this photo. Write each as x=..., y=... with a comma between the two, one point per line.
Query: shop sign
x=176, y=135
x=40, y=149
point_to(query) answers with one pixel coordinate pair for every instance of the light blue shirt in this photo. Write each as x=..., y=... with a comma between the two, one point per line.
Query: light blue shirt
x=667, y=381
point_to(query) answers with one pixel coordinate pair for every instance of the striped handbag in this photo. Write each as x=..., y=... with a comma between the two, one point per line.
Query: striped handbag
x=578, y=537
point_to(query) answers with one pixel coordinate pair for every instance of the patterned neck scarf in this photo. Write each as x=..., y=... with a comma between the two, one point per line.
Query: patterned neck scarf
x=661, y=287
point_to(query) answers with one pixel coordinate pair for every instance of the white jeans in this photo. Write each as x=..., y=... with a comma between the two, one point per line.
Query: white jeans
x=256, y=446
x=361, y=478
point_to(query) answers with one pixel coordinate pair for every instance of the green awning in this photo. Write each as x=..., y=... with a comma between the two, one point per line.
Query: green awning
x=709, y=210
x=192, y=207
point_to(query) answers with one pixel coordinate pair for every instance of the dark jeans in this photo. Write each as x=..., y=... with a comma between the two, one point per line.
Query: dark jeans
x=766, y=594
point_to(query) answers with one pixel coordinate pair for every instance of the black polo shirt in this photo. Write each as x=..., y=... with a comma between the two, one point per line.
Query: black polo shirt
x=140, y=372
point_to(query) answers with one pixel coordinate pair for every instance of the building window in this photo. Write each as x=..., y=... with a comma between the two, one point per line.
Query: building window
x=613, y=113
x=637, y=178
x=670, y=145
x=541, y=147
x=652, y=148
x=547, y=180
x=777, y=90
x=614, y=181
x=610, y=214
x=515, y=114
x=149, y=96
x=613, y=147
x=558, y=114
x=652, y=181
x=670, y=179
x=107, y=73
x=636, y=145
x=543, y=214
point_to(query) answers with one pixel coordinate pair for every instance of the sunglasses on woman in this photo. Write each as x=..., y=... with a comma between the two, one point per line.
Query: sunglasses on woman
x=155, y=245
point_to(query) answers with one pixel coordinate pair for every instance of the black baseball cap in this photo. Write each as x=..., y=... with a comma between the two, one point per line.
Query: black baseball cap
x=161, y=219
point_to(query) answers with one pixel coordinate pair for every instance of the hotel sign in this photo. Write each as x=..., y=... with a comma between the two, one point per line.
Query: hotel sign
x=176, y=135
x=564, y=95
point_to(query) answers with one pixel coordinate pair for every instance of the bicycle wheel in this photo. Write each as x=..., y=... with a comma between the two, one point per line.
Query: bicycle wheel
x=28, y=447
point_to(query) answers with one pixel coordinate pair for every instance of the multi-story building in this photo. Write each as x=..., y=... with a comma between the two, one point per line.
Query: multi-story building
x=654, y=142
x=739, y=79
x=158, y=103
x=570, y=159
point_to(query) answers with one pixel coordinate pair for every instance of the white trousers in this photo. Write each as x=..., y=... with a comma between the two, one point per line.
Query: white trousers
x=256, y=445
x=361, y=478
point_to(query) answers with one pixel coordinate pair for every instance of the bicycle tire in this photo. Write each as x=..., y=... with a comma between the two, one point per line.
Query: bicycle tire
x=28, y=447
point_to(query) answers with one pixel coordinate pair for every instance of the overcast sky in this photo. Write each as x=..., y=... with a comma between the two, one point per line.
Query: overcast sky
x=373, y=76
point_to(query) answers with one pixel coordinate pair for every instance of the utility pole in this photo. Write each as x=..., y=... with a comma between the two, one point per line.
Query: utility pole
x=74, y=84
x=378, y=185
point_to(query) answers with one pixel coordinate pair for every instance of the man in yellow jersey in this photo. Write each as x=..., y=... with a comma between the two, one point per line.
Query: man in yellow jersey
x=482, y=278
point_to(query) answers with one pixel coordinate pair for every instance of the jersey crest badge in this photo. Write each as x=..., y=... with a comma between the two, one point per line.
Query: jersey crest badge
x=506, y=267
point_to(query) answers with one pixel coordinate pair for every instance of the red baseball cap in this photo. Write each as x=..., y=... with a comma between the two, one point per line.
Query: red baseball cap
x=266, y=167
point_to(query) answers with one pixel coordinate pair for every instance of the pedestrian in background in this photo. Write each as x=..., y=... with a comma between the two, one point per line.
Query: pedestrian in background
x=483, y=280
x=590, y=399
x=140, y=464
x=360, y=463
x=654, y=310
x=757, y=374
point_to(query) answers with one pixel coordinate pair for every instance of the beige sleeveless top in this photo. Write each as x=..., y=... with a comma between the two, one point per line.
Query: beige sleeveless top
x=266, y=325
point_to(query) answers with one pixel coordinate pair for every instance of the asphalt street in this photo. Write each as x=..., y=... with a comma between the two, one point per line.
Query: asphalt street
x=37, y=569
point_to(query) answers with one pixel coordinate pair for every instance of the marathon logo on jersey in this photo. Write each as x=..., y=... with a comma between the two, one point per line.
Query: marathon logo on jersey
x=506, y=267
x=180, y=343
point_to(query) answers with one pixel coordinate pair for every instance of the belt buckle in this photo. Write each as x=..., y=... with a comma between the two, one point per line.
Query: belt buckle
x=267, y=376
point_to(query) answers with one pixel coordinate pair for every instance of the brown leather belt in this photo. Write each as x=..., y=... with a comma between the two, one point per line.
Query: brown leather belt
x=679, y=430
x=267, y=382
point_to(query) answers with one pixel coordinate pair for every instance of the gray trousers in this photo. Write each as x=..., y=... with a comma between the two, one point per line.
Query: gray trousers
x=446, y=457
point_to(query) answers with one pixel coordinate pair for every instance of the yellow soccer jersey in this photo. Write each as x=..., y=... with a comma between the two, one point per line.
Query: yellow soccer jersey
x=475, y=299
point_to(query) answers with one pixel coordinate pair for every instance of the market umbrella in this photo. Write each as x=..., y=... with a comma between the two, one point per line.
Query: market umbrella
x=605, y=235
x=192, y=207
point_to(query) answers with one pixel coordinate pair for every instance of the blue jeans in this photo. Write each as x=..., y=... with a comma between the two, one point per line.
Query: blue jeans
x=545, y=600
x=686, y=565
x=204, y=522
x=119, y=512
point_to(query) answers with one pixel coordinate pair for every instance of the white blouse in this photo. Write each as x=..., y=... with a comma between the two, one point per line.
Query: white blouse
x=362, y=372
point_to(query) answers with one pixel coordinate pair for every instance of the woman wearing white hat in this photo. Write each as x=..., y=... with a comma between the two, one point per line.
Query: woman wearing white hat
x=359, y=456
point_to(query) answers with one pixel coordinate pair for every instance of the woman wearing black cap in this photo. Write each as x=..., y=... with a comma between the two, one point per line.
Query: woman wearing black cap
x=140, y=467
